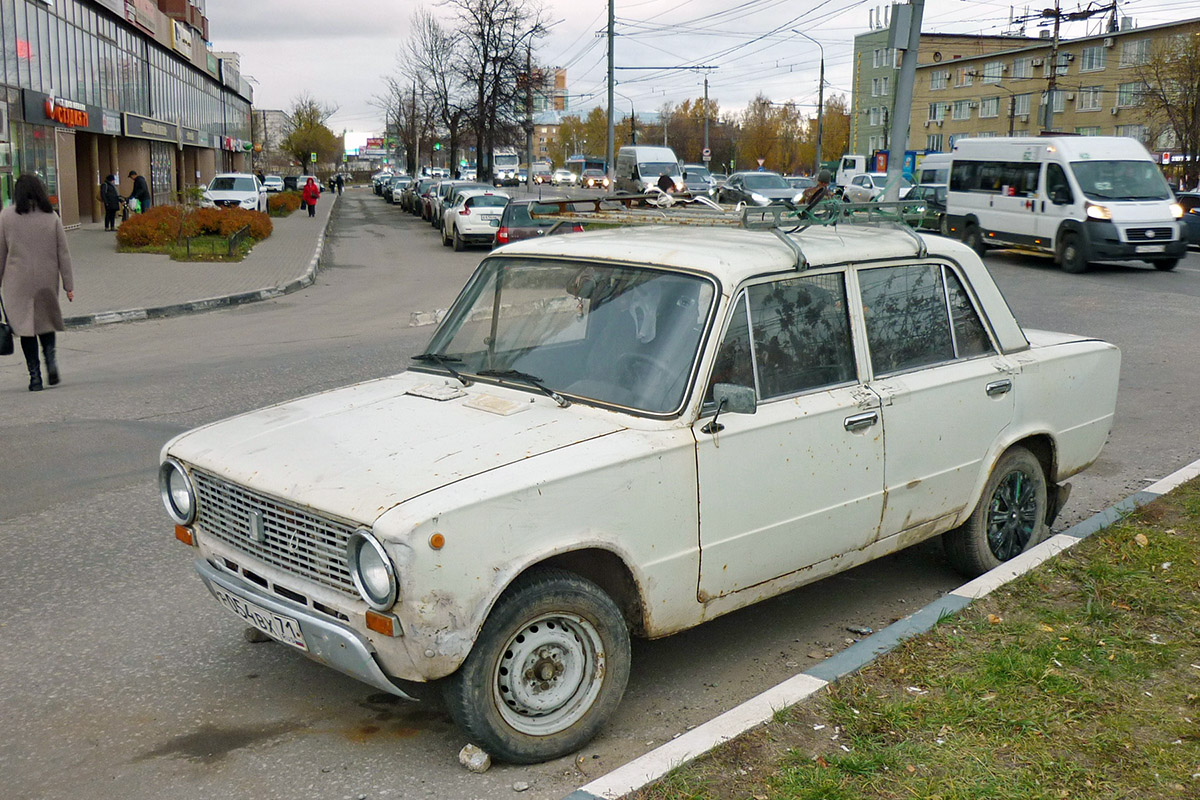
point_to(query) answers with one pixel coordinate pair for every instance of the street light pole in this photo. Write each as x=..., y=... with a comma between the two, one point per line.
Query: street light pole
x=820, y=102
x=612, y=175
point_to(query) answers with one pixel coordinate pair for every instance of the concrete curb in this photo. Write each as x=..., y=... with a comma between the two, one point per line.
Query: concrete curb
x=223, y=301
x=758, y=710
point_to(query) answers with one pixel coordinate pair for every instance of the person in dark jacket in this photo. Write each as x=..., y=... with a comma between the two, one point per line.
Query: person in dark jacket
x=341, y=183
x=111, y=199
x=34, y=262
x=309, y=196
x=141, y=192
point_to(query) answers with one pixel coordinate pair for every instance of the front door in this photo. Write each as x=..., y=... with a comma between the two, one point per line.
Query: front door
x=800, y=480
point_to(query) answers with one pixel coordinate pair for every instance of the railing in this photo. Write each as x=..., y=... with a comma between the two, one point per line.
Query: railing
x=232, y=242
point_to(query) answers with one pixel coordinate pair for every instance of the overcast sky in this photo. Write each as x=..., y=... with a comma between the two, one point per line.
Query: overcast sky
x=339, y=57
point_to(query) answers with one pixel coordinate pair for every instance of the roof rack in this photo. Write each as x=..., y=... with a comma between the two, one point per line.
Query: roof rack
x=781, y=219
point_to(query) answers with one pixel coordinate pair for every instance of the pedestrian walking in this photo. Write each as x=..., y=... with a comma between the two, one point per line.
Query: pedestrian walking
x=34, y=259
x=111, y=199
x=309, y=196
x=141, y=192
x=341, y=183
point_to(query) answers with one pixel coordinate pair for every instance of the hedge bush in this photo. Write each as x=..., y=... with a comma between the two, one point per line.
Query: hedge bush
x=161, y=225
x=281, y=204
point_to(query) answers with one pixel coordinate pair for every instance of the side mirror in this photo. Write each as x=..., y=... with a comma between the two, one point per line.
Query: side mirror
x=737, y=399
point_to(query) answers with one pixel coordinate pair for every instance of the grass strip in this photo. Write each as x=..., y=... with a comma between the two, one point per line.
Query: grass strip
x=1079, y=680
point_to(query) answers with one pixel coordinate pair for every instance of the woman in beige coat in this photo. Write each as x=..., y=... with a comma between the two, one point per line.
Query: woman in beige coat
x=33, y=260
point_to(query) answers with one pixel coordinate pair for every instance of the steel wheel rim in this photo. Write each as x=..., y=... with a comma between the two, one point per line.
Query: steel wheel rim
x=549, y=674
x=1012, y=515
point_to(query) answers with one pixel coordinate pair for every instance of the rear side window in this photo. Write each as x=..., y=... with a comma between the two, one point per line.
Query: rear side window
x=917, y=315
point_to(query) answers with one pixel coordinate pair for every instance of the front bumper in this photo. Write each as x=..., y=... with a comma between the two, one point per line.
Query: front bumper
x=329, y=643
x=1105, y=243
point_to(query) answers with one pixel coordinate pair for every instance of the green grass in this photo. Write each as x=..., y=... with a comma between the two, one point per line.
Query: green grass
x=1080, y=680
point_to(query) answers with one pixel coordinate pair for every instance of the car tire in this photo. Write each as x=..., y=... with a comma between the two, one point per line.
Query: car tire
x=459, y=244
x=1009, y=519
x=1166, y=264
x=973, y=238
x=547, y=671
x=943, y=225
x=1071, y=254
x=445, y=238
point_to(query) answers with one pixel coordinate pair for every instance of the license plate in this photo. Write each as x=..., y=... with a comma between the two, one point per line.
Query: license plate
x=277, y=626
x=1151, y=248
x=489, y=217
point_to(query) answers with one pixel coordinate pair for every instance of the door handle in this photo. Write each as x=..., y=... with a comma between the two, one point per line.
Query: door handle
x=997, y=388
x=859, y=421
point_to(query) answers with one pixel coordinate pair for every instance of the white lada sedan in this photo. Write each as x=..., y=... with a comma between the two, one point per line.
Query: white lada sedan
x=628, y=433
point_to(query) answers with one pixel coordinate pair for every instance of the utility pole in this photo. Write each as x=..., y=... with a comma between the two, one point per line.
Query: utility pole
x=820, y=101
x=416, y=129
x=528, y=114
x=906, y=34
x=706, y=116
x=1048, y=120
x=612, y=174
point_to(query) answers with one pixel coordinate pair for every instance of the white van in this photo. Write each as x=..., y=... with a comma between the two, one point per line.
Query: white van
x=640, y=166
x=1079, y=198
x=933, y=168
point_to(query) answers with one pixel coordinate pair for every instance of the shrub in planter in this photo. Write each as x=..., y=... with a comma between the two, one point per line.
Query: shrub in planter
x=228, y=221
x=158, y=226
x=283, y=203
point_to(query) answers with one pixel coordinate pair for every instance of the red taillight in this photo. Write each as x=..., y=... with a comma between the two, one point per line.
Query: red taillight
x=577, y=228
x=502, y=236
x=466, y=212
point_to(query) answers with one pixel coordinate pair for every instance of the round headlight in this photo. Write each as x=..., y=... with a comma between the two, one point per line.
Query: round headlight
x=372, y=570
x=178, y=494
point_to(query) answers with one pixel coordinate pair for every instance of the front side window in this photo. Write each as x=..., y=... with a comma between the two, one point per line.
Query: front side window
x=622, y=336
x=788, y=336
x=918, y=315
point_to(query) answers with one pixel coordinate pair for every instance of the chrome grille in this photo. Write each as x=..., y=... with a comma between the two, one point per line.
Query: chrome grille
x=277, y=533
x=1145, y=235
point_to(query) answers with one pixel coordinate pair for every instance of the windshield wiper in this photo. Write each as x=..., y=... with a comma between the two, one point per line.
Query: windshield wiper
x=444, y=362
x=525, y=377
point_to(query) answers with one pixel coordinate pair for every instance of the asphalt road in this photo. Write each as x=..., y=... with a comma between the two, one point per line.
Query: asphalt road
x=122, y=678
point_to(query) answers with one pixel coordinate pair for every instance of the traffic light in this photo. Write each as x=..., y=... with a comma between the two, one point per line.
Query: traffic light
x=437, y=145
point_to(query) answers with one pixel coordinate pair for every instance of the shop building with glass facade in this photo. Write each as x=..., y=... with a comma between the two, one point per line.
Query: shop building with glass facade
x=92, y=87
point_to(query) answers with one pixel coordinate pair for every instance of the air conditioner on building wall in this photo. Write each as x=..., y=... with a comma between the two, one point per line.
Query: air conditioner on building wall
x=1114, y=110
x=972, y=104
x=1070, y=56
x=1070, y=95
x=926, y=123
x=1108, y=41
x=939, y=123
x=1037, y=62
x=1024, y=118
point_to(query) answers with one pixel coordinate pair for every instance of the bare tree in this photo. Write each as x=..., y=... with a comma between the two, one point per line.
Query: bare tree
x=1171, y=94
x=307, y=132
x=495, y=37
x=432, y=54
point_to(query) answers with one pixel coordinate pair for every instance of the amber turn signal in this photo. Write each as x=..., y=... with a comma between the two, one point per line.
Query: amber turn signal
x=437, y=541
x=387, y=624
x=185, y=535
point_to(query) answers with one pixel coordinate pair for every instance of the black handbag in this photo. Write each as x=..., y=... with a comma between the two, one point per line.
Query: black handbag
x=6, y=334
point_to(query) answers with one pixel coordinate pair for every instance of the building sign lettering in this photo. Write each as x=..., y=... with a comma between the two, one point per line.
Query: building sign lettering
x=66, y=113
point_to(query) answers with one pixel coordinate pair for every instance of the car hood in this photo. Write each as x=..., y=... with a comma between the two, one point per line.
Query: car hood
x=358, y=451
x=229, y=194
x=775, y=194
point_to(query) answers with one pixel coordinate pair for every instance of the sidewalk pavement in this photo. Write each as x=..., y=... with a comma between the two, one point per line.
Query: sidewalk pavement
x=116, y=287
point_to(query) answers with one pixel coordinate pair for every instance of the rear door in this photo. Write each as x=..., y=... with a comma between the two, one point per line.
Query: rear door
x=946, y=394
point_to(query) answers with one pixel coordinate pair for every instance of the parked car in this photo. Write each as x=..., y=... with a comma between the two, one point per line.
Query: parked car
x=1190, y=203
x=869, y=186
x=594, y=179
x=640, y=166
x=235, y=190
x=273, y=183
x=295, y=183
x=411, y=201
x=398, y=187
x=563, y=177
x=541, y=174
x=800, y=182
x=933, y=198
x=473, y=218
x=443, y=198
x=759, y=188
x=589, y=448
x=516, y=223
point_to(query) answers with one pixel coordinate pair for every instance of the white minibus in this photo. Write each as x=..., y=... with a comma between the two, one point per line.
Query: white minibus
x=1078, y=198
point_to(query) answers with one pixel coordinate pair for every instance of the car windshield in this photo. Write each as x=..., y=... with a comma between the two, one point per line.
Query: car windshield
x=1121, y=180
x=619, y=336
x=765, y=180
x=658, y=168
x=232, y=184
x=697, y=172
